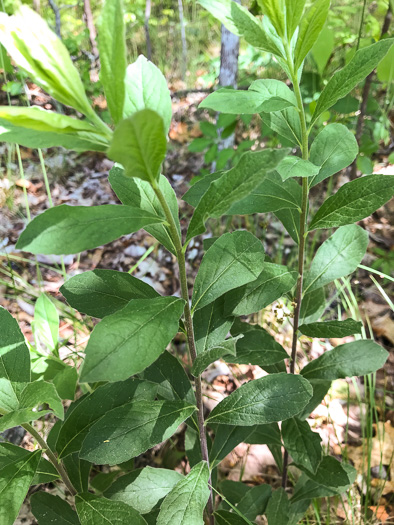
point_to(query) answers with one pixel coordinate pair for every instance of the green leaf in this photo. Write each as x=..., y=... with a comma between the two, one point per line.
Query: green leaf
x=112, y=49
x=143, y=488
x=385, y=70
x=350, y=359
x=332, y=328
x=139, y=144
x=52, y=509
x=311, y=25
x=294, y=10
x=320, y=389
x=265, y=435
x=259, y=348
x=129, y=430
x=37, y=50
x=296, y=167
x=275, y=10
x=211, y=325
x=15, y=480
x=302, y=443
x=227, y=437
x=72, y=229
x=140, y=194
x=232, y=186
x=333, y=149
x=225, y=517
x=278, y=508
x=323, y=48
x=78, y=471
x=45, y=473
x=185, y=504
x=93, y=510
x=84, y=412
x=10, y=453
x=354, y=201
x=286, y=123
x=212, y=354
x=14, y=354
x=146, y=88
x=232, y=261
x=338, y=256
x=342, y=82
x=290, y=218
x=273, y=282
x=128, y=341
x=41, y=392
x=254, y=502
x=271, y=398
x=276, y=94
x=46, y=322
x=103, y=292
x=312, y=306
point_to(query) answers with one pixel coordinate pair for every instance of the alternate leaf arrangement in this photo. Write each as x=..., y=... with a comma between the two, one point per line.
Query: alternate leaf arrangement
x=137, y=392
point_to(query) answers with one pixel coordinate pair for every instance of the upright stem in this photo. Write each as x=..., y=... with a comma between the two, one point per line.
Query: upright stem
x=190, y=335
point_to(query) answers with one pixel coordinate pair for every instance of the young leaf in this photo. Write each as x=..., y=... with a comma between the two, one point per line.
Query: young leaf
x=254, y=502
x=14, y=354
x=139, y=144
x=185, y=504
x=302, y=443
x=112, y=48
x=332, y=328
x=333, y=149
x=15, y=480
x=140, y=194
x=233, y=186
x=72, y=229
x=271, y=398
x=227, y=437
x=278, y=508
x=342, y=82
x=286, y=123
x=275, y=10
x=203, y=360
x=48, y=508
x=143, y=488
x=350, y=359
x=354, y=201
x=146, y=88
x=232, y=261
x=296, y=167
x=294, y=10
x=131, y=429
x=311, y=25
x=84, y=412
x=338, y=256
x=46, y=322
x=211, y=325
x=114, y=351
x=103, y=292
x=93, y=510
x=273, y=282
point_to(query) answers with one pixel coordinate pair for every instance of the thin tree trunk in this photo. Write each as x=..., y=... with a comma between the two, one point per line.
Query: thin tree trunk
x=147, y=35
x=56, y=11
x=184, y=43
x=91, y=27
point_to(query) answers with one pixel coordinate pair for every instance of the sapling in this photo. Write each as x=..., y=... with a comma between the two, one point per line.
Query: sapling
x=137, y=392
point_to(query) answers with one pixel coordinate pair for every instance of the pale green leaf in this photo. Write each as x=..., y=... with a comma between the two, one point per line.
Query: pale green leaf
x=211, y=325
x=302, y=443
x=296, y=167
x=323, y=48
x=46, y=322
x=294, y=10
x=286, y=123
x=311, y=25
x=93, y=510
x=275, y=10
x=14, y=354
x=48, y=508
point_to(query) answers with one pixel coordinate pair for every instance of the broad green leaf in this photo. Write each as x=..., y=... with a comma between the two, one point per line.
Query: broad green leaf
x=203, y=360
x=146, y=88
x=41, y=392
x=265, y=435
x=52, y=369
x=78, y=471
x=103, y=292
x=112, y=49
x=333, y=149
x=294, y=10
x=10, y=453
x=233, y=186
x=197, y=190
x=311, y=25
x=358, y=358
x=143, y=488
x=37, y=50
x=338, y=256
x=129, y=430
x=232, y=261
x=290, y=218
x=259, y=348
x=312, y=306
x=140, y=194
x=185, y=504
x=332, y=328
x=93, y=510
x=278, y=508
x=14, y=354
x=15, y=480
x=45, y=473
x=296, y=167
x=320, y=389
x=286, y=123
x=211, y=325
x=385, y=70
x=323, y=48
x=66, y=229
x=227, y=437
x=302, y=443
x=46, y=322
x=277, y=95
x=84, y=412
x=139, y=144
x=52, y=509
x=354, y=201
x=342, y=82
x=255, y=501
x=272, y=195
x=275, y=10
x=271, y=398
x=225, y=517
x=19, y=417
x=273, y=282
x=128, y=341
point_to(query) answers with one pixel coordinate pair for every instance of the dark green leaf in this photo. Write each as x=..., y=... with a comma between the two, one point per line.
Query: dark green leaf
x=332, y=328
x=211, y=326
x=320, y=389
x=45, y=473
x=290, y=219
x=93, y=510
x=278, y=508
x=197, y=190
x=203, y=360
x=302, y=443
x=78, y=471
x=296, y=167
x=312, y=306
x=52, y=509
x=258, y=347
x=311, y=25
x=14, y=354
x=10, y=453
x=225, y=517
x=254, y=502
x=265, y=435
x=227, y=437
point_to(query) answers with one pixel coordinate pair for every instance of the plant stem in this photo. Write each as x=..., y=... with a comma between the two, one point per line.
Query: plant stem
x=190, y=334
x=51, y=456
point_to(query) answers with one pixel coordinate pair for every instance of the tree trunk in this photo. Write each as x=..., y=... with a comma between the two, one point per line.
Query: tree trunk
x=146, y=25
x=56, y=11
x=184, y=43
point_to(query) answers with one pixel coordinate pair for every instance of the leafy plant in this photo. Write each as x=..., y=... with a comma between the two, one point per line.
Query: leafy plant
x=137, y=392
